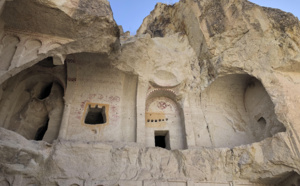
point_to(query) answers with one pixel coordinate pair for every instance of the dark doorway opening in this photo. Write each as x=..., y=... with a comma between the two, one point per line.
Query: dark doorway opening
x=41, y=131
x=162, y=139
x=95, y=115
x=45, y=92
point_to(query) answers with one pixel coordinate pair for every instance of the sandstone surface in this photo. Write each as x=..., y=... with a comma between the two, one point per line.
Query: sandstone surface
x=206, y=94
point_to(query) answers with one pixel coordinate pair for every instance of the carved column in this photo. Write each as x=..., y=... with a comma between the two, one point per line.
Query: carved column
x=69, y=92
x=140, y=109
x=187, y=120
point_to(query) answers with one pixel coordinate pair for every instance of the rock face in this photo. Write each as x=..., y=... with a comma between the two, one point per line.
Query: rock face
x=206, y=93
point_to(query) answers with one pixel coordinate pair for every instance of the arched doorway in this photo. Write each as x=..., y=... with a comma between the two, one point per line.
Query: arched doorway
x=164, y=121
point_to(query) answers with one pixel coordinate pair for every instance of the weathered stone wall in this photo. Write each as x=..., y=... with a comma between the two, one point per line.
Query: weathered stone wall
x=97, y=82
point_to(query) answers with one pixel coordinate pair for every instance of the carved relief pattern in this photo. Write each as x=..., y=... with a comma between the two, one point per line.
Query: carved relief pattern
x=18, y=48
x=8, y=49
x=163, y=105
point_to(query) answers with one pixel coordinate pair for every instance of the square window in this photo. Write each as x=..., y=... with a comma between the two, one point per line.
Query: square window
x=95, y=114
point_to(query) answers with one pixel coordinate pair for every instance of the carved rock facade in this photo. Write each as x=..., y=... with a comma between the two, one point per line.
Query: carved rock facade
x=206, y=93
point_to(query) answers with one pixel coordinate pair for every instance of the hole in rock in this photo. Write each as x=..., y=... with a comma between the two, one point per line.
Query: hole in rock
x=262, y=121
x=162, y=139
x=47, y=62
x=41, y=131
x=45, y=92
x=95, y=115
x=21, y=109
x=158, y=33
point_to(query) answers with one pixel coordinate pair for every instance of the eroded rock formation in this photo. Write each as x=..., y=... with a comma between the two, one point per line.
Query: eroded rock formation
x=206, y=93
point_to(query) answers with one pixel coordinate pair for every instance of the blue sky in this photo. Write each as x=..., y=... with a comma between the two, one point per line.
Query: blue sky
x=130, y=13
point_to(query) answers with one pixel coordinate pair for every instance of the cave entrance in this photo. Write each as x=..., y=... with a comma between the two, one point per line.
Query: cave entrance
x=39, y=89
x=41, y=131
x=242, y=114
x=95, y=115
x=45, y=92
x=162, y=139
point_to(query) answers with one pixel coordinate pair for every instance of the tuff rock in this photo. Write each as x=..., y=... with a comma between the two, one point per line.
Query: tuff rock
x=206, y=93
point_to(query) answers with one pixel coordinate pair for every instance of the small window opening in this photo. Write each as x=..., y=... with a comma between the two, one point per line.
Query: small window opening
x=166, y=119
x=155, y=120
x=95, y=115
x=45, y=91
x=152, y=120
x=262, y=121
x=148, y=120
x=159, y=120
x=162, y=139
x=41, y=131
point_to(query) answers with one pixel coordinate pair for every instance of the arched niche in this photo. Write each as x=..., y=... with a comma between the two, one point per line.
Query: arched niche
x=32, y=46
x=260, y=109
x=9, y=46
x=164, y=121
x=32, y=103
x=30, y=50
x=238, y=111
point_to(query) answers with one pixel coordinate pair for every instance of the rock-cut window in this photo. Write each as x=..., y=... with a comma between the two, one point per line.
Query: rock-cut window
x=95, y=115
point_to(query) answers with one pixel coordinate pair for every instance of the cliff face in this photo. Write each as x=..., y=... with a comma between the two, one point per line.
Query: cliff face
x=206, y=93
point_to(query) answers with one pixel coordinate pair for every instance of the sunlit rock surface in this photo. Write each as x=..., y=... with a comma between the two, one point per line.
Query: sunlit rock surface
x=207, y=93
